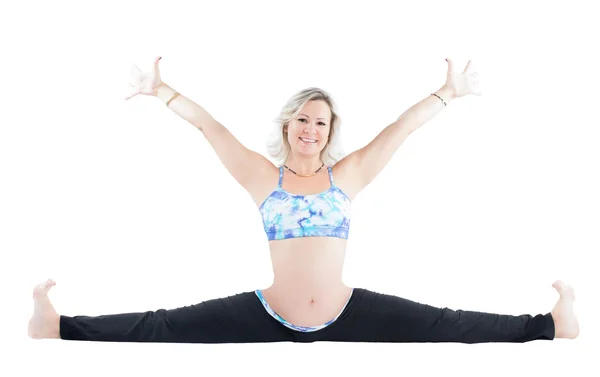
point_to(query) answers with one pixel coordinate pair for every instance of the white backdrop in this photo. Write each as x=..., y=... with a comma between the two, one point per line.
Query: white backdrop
x=128, y=208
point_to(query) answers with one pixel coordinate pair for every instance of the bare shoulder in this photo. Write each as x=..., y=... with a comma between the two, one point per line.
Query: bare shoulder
x=345, y=176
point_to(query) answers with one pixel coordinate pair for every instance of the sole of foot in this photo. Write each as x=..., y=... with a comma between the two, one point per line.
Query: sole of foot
x=565, y=322
x=44, y=322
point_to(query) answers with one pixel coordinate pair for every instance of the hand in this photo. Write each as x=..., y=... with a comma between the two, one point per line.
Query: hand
x=463, y=83
x=145, y=83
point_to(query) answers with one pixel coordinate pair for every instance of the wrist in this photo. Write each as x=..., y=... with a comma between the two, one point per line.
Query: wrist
x=164, y=92
x=448, y=94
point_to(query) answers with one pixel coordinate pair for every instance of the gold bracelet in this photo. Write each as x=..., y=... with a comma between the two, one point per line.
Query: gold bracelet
x=172, y=97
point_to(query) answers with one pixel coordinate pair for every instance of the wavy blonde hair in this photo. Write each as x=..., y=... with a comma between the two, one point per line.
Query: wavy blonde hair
x=278, y=145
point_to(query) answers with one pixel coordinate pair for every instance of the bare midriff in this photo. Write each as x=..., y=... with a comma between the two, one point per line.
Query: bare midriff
x=307, y=287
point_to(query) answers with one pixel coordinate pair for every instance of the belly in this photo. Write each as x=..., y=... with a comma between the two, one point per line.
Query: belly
x=307, y=287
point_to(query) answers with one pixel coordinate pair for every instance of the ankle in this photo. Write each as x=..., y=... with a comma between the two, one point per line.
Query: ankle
x=54, y=329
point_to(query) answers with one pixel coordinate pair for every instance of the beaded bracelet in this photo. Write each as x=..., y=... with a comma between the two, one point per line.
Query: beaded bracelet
x=444, y=102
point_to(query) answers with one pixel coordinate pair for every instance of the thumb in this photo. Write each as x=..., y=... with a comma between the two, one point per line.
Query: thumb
x=156, y=64
x=131, y=95
x=450, y=65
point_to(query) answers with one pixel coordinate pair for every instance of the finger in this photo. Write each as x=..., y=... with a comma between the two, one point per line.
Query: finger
x=450, y=65
x=468, y=67
x=135, y=71
x=131, y=95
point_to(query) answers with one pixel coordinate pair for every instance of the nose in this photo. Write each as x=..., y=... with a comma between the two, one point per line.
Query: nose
x=310, y=126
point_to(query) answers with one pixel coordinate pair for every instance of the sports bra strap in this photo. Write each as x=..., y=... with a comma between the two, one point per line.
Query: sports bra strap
x=330, y=176
x=280, y=176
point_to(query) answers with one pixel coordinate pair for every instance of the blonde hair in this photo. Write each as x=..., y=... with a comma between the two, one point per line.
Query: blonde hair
x=278, y=146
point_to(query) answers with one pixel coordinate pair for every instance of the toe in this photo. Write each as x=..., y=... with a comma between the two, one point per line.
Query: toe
x=559, y=285
x=49, y=284
x=565, y=291
x=43, y=288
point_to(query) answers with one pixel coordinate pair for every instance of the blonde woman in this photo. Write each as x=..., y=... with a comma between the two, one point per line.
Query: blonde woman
x=305, y=202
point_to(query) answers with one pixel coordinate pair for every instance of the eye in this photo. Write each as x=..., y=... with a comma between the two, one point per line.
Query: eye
x=321, y=123
x=301, y=119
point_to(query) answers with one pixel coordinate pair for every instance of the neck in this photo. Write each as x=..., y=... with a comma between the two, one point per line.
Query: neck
x=304, y=165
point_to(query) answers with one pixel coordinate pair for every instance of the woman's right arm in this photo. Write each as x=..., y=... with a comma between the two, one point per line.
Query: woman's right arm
x=246, y=166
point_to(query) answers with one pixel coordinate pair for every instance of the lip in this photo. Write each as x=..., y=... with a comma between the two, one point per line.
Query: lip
x=300, y=138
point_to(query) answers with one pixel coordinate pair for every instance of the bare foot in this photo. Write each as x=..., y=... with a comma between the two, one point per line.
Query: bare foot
x=565, y=322
x=45, y=321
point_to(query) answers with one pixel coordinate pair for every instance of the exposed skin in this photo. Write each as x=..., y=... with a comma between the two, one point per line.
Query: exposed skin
x=45, y=321
x=307, y=288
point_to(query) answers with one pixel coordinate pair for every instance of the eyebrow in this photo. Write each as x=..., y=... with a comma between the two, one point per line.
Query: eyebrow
x=309, y=117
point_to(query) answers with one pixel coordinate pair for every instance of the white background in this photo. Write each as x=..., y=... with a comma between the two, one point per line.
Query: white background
x=128, y=208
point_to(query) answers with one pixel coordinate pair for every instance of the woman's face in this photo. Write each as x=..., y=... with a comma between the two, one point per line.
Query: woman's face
x=308, y=132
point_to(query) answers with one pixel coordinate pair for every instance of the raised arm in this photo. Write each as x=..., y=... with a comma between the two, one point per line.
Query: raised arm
x=364, y=164
x=245, y=165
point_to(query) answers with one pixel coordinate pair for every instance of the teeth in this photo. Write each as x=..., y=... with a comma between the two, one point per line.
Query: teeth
x=308, y=140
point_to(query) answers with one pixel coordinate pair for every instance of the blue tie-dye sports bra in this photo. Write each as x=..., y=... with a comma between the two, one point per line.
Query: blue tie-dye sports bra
x=286, y=215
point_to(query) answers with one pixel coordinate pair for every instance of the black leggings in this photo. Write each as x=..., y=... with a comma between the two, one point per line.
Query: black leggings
x=368, y=317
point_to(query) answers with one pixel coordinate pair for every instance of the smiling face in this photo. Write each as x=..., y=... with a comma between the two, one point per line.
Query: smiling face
x=308, y=132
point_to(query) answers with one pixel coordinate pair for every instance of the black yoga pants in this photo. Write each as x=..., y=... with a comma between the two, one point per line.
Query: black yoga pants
x=368, y=317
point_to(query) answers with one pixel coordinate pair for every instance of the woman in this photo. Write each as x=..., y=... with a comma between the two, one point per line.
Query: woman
x=305, y=207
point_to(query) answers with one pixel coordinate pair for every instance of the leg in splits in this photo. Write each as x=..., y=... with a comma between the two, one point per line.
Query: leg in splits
x=376, y=317
x=235, y=319
x=368, y=317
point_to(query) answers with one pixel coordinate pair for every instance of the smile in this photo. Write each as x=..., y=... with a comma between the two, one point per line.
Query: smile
x=307, y=141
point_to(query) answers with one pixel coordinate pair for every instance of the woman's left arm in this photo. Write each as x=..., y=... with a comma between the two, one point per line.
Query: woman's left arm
x=365, y=163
